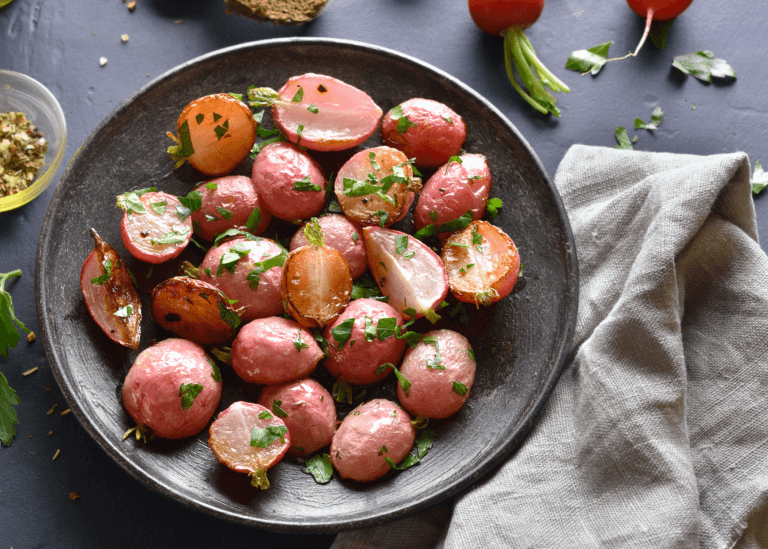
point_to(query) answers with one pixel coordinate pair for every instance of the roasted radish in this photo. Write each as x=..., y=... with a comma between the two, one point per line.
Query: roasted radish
x=110, y=295
x=426, y=130
x=215, y=134
x=289, y=182
x=317, y=282
x=194, y=310
x=153, y=228
x=172, y=389
x=372, y=432
x=248, y=270
x=461, y=185
x=307, y=409
x=248, y=438
x=361, y=340
x=343, y=234
x=224, y=203
x=408, y=271
x=482, y=263
x=274, y=350
x=440, y=370
x=376, y=186
x=320, y=112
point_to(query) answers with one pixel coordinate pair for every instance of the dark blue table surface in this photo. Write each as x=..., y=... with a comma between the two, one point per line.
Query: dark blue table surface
x=60, y=43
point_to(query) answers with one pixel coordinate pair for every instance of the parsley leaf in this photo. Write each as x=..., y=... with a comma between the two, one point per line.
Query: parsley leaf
x=404, y=383
x=656, y=117
x=403, y=123
x=320, y=467
x=704, y=66
x=233, y=320
x=401, y=243
x=125, y=312
x=759, y=179
x=254, y=220
x=263, y=438
x=265, y=415
x=233, y=232
x=228, y=260
x=298, y=343
x=623, y=139
x=216, y=374
x=385, y=327
x=263, y=266
x=493, y=207
x=366, y=286
x=370, y=329
x=159, y=207
x=423, y=445
x=591, y=60
x=449, y=227
x=99, y=280
x=343, y=332
x=172, y=237
x=459, y=388
x=188, y=392
x=8, y=416
x=279, y=412
x=306, y=185
x=225, y=213
x=299, y=96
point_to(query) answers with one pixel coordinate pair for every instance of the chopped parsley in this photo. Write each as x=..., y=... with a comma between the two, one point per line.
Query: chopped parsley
x=124, y=312
x=320, y=467
x=493, y=207
x=404, y=383
x=423, y=444
x=263, y=438
x=591, y=60
x=229, y=259
x=188, y=392
x=704, y=66
x=298, y=343
x=277, y=410
x=343, y=332
x=306, y=185
x=99, y=280
x=254, y=276
x=656, y=118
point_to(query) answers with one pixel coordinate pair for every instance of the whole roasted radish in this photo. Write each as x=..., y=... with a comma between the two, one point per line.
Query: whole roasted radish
x=320, y=112
x=342, y=234
x=224, y=203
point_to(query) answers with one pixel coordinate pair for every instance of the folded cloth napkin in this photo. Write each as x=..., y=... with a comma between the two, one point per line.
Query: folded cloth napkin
x=657, y=433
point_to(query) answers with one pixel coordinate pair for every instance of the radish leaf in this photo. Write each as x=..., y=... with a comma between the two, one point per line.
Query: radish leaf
x=591, y=60
x=703, y=65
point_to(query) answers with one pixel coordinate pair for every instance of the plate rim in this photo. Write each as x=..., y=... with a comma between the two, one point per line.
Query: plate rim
x=489, y=465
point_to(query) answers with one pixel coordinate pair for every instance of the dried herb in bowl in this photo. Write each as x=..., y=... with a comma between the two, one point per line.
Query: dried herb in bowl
x=22, y=150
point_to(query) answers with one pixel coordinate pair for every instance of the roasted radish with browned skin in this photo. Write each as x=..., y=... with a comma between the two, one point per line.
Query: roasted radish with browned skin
x=317, y=282
x=248, y=270
x=110, y=295
x=427, y=131
x=172, y=389
x=248, y=438
x=308, y=411
x=343, y=234
x=372, y=432
x=153, y=228
x=215, y=134
x=408, y=271
x=194, y=310
x=320, y=112
x=482, y=263
x=376, y=186
x=225, y=203
x=289, y=182
x=274, y=350
x=440, y=370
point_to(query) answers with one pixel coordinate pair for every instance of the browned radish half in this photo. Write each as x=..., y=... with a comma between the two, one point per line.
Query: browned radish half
x=317, y=282
x=408, y=271
x=248, y=438
x=110, y=295
x=482, y=263
x=194, y=310
x=152, y=228
x=376, y=186
x=343, y=234
x=320, y=112
x=215, y=134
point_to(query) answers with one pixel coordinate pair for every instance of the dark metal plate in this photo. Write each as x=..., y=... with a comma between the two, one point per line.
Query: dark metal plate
x=520, y=343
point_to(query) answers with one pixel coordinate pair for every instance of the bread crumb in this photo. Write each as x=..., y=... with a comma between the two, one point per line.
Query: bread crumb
x=124, y=38
x=73, y=496
x=102, y=61
x=131, y=5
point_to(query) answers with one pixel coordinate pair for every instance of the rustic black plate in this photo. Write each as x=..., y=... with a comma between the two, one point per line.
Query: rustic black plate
x=520, y=343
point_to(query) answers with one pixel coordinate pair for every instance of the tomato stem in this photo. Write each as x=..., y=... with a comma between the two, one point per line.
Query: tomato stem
x=520, y=57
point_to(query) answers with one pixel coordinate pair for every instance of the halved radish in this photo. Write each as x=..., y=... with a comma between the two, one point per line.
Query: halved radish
x=110, y=295
x=320, y=112
x=376, y=186
x=215, y=134
x=317, y=282
x=408, y=271
x=194, y=310
x=462, y=185
x=153, y=230
x=343, y=234
x=482, y=263
x=248, y=438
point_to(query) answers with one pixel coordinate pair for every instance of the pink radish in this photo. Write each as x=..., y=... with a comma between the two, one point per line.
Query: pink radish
x=320, y=112
x=408, y=271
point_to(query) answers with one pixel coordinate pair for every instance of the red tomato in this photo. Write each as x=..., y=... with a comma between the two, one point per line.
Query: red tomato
x=496, y=16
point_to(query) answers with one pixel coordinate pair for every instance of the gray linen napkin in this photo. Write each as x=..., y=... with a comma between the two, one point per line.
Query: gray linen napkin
x=657, y=433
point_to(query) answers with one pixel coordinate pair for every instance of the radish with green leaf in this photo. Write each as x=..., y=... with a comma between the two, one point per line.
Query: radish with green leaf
x=510, y=18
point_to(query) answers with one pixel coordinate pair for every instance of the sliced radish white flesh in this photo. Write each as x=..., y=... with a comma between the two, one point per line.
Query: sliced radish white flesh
x=330, y=114
x=361, y=182
x=316, y=285
x=413, y=276
x=235, y=444
x=110, y=296
x=482, y=263
x=153, y=230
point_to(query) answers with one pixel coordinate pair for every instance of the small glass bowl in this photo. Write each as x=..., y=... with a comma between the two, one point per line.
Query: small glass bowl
x=20, y=93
